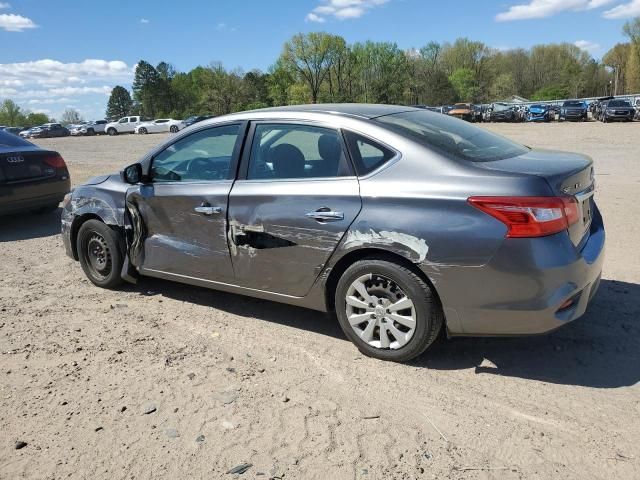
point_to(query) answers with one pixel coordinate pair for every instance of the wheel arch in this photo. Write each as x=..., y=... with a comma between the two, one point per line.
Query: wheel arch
x=369, y=253
x=80, y=220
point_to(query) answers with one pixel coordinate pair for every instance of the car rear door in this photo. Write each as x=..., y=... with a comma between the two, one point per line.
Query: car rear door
x=295, y=198
x=180, y=215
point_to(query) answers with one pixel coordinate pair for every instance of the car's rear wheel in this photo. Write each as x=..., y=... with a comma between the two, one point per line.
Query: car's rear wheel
x=99, y=254
x=112, y=131
x=387, y=310
x=173, y=129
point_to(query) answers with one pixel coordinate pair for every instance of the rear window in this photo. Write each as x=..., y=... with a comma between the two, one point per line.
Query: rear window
x=452, y=137
x=573, y=104
x=11, y=140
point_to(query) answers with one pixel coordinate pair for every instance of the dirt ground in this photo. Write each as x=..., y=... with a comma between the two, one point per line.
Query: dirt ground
x=161, y=380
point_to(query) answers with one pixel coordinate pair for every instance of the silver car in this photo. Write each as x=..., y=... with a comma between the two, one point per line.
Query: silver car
x=400, y=220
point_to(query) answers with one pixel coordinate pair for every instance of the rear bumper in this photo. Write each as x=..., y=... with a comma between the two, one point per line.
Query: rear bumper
x=521, y=290
x=24, y=197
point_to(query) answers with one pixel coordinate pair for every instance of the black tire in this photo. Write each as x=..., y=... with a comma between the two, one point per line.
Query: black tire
x=142, y=130
x=91, y=132
x=112, y=132
x=99, y=254
x=429, y=315
x=173, y=129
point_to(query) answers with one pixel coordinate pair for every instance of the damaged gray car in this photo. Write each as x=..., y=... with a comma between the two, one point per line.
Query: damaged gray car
x=400, y=220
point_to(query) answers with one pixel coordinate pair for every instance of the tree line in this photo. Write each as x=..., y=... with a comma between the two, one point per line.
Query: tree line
x=320, y=67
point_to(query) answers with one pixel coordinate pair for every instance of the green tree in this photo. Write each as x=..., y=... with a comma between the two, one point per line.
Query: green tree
x=503, y=86
x=617, y=59
x=33, y=119
x=120, y=103
x=553, y=92
x=11, y=114
x=465, y=84
x=146, y=88
x=632, y=30
x=311, y=56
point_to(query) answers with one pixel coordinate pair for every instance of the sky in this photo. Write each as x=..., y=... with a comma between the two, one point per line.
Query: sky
x=69, y=54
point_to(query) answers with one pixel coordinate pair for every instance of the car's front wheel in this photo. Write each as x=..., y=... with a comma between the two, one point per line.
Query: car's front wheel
x=142, y=130
x=173, y=129
x=99, y=254
x=387, y=310
x=112, y=131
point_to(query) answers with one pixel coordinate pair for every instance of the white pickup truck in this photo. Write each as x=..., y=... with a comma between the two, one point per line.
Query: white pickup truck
x=124, y=125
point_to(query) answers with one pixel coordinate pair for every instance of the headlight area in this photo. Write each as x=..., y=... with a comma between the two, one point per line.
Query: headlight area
x=67, y=199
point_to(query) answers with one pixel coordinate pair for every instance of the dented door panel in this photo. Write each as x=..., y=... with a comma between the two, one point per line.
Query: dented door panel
x=274, y=245
x=170, y=236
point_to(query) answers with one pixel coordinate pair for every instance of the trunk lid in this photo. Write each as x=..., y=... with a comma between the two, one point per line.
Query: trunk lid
x=25, y=164
x=566, y=173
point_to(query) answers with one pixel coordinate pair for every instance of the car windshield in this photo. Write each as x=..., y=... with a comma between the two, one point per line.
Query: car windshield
x=619, y=103
x=453, y=137
x=10, y=140
x=572, y=104
x=537, y=106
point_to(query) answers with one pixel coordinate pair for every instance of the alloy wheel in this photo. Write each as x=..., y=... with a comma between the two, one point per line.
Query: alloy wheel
x=380, y=312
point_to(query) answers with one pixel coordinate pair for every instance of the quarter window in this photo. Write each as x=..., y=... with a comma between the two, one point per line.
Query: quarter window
x=202, y=156
x=366, y=153
x=289, y=151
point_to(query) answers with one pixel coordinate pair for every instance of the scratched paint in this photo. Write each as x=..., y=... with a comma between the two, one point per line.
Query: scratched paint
x=356, y=238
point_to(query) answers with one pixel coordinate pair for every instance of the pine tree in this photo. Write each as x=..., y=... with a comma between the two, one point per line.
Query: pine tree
x=120, y=103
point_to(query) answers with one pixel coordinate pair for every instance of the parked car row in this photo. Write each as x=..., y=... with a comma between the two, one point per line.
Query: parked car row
x=606, y=109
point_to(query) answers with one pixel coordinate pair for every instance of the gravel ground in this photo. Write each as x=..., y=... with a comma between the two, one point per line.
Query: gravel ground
x=161, y=380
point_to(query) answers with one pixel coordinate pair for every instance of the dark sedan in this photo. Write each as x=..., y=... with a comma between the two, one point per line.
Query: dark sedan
x=50, y=130
x=617, y=111
x=401, y=220
x=196, y=118
x=31, y=178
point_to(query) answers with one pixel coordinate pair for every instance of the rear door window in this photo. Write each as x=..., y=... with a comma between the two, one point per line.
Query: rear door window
x=292, y=151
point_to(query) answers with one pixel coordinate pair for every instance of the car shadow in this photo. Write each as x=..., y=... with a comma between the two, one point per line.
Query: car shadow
x=25, y=226
x=599, y=350
x=264, y=310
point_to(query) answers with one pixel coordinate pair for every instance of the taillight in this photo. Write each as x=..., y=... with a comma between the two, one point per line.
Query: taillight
x=55, y=161
x=530, y=216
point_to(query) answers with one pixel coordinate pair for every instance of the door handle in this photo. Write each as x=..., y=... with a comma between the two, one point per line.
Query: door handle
x=208, y=210
x=325, y=215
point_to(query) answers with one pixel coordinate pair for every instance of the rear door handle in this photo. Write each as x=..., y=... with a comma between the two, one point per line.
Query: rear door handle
x=325, y=215
x=208, y=210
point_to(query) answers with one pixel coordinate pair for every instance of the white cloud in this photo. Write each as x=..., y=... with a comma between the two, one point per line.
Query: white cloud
x=15, y=23
x=547, y=8
x=587, y=45
x=53, y=83
x=4, y=5
x=626, y=10
x=144, y=20
x=341, y=9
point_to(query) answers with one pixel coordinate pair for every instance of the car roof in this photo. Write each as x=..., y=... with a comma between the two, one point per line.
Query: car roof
x=362, y=110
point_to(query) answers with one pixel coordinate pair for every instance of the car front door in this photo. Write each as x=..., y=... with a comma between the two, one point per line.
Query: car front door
x=292, y=204
x=180, y=215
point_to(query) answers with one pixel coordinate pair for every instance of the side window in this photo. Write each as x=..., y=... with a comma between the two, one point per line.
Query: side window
x=202, y=156
x=287, y=151
x=124, y=120
x=366, y=153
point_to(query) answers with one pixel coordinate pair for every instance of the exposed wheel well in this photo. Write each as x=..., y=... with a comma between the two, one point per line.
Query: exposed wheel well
x=352, y=257
x=75, y=228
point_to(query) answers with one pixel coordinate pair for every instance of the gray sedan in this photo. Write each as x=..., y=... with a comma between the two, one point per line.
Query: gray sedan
x=401, y=220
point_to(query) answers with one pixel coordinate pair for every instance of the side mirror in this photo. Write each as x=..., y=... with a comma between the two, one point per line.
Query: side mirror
x=132, y=174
